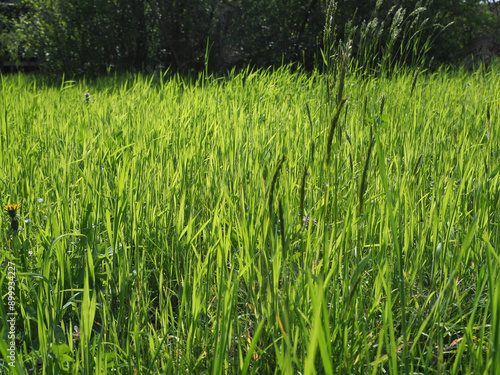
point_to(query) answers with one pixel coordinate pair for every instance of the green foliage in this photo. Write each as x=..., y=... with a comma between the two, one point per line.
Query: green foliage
x=89, y=38
x=468, y=19
x=94, y=37
x=81, y=37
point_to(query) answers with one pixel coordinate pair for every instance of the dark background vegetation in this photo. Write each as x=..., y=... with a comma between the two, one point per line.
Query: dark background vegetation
x=91, y=37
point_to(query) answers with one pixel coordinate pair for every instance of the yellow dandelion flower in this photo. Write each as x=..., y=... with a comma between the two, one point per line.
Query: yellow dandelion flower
x=12, y=208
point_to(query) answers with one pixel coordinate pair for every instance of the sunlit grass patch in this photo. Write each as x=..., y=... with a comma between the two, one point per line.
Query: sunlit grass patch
x=164, y=220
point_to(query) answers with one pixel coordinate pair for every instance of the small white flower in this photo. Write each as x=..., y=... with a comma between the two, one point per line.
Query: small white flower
x=40, y=200
x=27, y=221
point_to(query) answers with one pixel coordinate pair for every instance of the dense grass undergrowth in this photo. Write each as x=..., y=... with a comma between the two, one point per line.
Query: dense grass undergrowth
x=248, y=225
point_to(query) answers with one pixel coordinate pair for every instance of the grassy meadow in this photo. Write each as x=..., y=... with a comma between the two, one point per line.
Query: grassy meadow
x=250, y=225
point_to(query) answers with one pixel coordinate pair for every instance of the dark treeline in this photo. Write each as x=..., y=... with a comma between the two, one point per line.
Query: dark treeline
x=93, y=36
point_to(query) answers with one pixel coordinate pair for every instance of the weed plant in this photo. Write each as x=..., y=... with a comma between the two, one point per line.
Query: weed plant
x=241, y=225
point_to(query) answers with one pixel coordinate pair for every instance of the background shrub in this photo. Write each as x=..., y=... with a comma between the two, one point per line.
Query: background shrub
x=91, y=37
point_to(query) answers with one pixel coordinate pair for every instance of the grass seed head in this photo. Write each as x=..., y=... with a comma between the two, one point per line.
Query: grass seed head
x=273, y=183
x=488, y=121
x=334, y=121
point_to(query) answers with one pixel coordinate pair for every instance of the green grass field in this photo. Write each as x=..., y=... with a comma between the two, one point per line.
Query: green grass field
x=242, y=225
